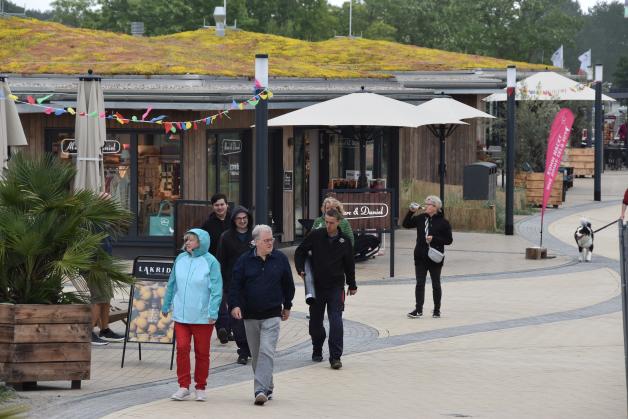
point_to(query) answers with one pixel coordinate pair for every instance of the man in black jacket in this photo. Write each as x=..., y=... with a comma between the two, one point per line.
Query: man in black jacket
x=218, y=221
x=332, y=265
x=261, y=293
x=233, y=243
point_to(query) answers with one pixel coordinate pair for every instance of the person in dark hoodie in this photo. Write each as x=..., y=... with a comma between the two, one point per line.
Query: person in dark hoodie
x=333, y=264
x=261, y=293
x=233, y=243
x=432, y=230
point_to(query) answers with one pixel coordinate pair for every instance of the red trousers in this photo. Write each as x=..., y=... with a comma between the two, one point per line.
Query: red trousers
x=202, y=335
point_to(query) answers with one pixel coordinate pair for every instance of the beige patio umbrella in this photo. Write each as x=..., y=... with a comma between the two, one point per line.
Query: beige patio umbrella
x=11, y=131
x=442, y=111
x=90, y=134
x=547, y=85
x=360, y=111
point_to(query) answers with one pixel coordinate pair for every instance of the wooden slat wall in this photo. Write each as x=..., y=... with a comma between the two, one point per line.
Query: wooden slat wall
x=419, y=154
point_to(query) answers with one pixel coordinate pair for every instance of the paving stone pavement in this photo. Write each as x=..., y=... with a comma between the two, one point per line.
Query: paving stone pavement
x=517, y=339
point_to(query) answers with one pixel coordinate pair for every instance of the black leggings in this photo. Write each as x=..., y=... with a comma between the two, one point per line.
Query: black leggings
x=421, y=270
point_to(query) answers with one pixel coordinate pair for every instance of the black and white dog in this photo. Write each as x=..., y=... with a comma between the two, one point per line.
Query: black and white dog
x=584, y=240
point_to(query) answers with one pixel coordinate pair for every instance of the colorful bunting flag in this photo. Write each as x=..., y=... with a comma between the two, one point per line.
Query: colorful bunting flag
x=146, y=113
x=169, y=126
x=43, y=99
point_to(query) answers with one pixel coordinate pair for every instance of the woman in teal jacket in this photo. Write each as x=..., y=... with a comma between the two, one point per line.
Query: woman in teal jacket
x=194, y=291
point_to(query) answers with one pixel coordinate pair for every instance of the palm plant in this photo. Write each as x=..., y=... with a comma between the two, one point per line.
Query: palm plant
x=49, y=233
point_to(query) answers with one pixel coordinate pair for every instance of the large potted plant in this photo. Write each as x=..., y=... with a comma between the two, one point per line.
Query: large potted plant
x=49, y=234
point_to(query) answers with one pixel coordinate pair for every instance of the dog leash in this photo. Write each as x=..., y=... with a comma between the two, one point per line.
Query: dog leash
x=607, y=225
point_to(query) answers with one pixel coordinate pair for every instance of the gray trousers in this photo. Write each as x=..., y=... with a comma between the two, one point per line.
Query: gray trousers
x=262, y=336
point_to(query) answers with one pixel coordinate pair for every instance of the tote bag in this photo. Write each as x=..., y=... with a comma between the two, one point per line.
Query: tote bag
x=162, y=225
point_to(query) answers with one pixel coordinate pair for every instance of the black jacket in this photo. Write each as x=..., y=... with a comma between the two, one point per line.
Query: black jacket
x=261, y=287
x=230, y=247
x=332, y=261
x=438, y=228
x=214, y=226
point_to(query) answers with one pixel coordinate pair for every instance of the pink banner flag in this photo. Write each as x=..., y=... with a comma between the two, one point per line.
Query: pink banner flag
x=556, y=143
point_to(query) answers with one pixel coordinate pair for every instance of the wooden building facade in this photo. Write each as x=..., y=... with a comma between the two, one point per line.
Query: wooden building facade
x=158, y=168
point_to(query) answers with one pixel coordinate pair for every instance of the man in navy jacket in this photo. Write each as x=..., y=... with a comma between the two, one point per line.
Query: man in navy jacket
x=261, y=293
x=332, y=265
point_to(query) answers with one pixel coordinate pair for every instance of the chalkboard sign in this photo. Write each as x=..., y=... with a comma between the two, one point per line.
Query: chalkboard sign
x=144, y=321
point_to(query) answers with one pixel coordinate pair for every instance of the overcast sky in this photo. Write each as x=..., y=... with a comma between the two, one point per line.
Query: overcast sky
x=45, y=4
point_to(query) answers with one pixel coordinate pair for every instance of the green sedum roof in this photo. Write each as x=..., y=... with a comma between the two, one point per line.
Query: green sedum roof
x=32, y=46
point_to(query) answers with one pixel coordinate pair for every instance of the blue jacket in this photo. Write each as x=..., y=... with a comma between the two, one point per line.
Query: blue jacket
x=260, y=288
x=195, y=284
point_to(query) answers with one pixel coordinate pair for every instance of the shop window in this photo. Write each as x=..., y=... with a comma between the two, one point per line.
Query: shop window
x=117, y=168
x=344, y=159
x=224, y=164
x=158, y=183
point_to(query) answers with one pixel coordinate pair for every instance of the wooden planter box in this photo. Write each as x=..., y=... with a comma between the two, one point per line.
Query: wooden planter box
x=45, y=343
x=533, y=183
x=581, y=159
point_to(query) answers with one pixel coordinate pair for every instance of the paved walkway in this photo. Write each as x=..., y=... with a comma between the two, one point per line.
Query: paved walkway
x=517, y=339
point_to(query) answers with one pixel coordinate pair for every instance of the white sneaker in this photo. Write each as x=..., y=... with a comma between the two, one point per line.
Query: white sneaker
x=201, y=395
x=181, y=394
x=260, y=398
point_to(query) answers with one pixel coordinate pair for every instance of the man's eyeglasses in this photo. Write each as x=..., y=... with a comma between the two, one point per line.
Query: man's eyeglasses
x=241, y=218
x=268, y=241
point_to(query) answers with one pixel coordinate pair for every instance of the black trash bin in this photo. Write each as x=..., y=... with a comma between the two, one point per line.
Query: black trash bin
x=479, y=181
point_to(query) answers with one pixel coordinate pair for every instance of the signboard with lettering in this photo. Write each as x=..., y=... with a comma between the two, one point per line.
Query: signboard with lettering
x=231, y=147
x=68, y=146
x=145, y=323
x=287, y=180
x=371, y=210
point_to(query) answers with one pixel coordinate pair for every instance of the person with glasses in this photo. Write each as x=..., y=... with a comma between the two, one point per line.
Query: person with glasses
x=193, y=293
x=432, y=230
x=233, y=243
x=261, y=293
x=332, y=265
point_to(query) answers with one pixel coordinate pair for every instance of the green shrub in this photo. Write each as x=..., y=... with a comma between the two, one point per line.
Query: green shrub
x=49, y=233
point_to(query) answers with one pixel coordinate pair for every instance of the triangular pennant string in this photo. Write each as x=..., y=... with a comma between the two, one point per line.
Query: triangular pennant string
x=168, y=126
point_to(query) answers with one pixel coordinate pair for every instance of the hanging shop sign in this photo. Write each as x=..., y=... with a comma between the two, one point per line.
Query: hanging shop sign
x=69, y=146
x=366, y=210
x=231, y=147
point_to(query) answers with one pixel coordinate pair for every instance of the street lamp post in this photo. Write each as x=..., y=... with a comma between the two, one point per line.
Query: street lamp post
x=599, y=148
x=261, y=141
x=511, y=84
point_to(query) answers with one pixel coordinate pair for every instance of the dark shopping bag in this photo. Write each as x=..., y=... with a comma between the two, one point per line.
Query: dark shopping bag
x=162, y=225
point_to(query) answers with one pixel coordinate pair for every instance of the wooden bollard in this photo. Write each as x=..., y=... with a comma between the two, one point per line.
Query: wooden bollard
x=536, y=253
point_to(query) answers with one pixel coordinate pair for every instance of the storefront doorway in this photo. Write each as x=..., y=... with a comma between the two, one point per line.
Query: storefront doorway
x=329, y=158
